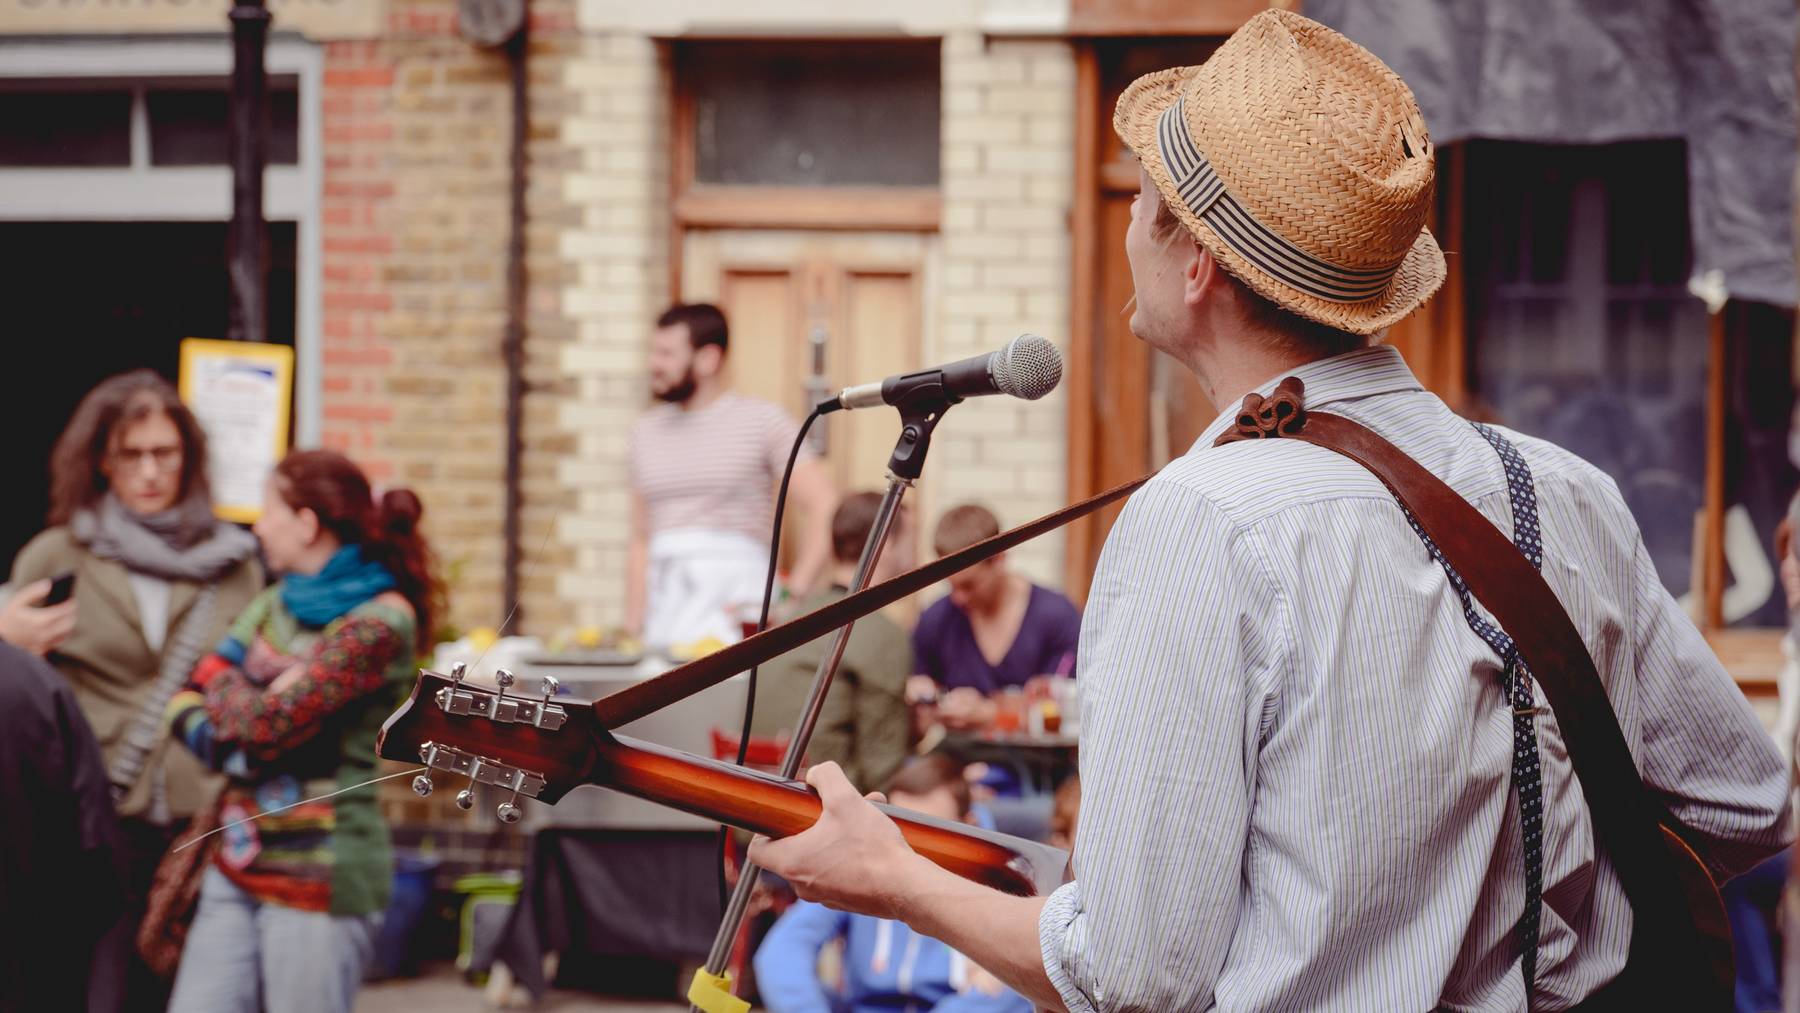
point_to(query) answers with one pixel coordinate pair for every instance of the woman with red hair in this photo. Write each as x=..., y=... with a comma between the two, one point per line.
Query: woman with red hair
x=288, y=707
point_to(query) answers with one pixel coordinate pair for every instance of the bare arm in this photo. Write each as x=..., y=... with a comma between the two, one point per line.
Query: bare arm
x=811, y=491
x=854, y=859
x=637, y=565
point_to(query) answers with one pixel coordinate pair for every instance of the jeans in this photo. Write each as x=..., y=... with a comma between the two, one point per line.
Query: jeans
x=245, y=956
x=1753, y=903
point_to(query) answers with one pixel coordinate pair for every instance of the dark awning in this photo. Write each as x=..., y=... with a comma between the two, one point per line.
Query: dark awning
x=1717, y=73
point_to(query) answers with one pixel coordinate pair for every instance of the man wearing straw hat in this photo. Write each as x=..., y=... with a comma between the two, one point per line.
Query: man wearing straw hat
x=1302, y=787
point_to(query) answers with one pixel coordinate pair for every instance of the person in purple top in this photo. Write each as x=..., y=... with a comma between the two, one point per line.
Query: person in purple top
x=994, y=629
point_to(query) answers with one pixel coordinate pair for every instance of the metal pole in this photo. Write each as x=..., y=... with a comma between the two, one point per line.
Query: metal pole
x=247, y=243
x=815, y=702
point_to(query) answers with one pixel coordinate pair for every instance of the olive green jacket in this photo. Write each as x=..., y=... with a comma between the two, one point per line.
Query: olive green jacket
x=111, y=667
x=864, y=725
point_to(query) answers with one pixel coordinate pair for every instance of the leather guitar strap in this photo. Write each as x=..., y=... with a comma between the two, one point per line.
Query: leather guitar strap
x=1625, y=815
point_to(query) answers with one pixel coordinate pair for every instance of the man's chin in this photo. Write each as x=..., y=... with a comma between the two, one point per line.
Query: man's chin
x=1136, y=325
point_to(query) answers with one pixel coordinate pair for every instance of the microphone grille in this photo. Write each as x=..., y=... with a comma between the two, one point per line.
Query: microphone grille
x=1028, y=367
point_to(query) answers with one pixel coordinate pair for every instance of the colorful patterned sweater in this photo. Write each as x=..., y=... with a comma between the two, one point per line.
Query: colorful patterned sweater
x=310, y=738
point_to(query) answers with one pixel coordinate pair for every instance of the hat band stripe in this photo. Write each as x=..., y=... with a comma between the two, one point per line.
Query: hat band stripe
x=1254, y=243
x=1204, y=193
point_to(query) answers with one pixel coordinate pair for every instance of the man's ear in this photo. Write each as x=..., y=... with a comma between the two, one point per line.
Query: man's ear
x=709, y=360
x=1200, y=275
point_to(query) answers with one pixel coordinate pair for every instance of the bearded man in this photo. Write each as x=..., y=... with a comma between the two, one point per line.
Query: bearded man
x=705, y=464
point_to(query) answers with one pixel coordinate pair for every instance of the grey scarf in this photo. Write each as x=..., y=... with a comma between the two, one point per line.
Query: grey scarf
x=183, y=542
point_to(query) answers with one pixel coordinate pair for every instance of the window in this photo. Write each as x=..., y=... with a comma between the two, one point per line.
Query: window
x=816, y=134
x=73, y=124
x=65, y=124
x=814, y=114
x=1584, y=332
x=192, y=125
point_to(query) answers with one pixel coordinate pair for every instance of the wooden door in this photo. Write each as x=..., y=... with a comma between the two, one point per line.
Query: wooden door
x=1131, y=408
x=812, y=312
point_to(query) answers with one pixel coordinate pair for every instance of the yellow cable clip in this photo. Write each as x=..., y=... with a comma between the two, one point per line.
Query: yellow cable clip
x=711, y=993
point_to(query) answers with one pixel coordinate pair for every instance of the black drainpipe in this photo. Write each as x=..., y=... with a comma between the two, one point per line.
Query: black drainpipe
x=514, y=344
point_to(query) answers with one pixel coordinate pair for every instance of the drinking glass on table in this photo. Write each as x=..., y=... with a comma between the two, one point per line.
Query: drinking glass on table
x=1009, y=711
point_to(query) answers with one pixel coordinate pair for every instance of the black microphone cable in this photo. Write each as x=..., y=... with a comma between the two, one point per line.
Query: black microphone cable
x=762, y=623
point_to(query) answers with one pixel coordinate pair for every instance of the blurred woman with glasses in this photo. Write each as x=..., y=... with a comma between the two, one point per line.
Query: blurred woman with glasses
x=157, y=579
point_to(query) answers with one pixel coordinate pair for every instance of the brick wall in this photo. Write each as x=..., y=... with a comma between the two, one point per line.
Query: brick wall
x=615, y=278
x=415, y=207
x=1008, y=178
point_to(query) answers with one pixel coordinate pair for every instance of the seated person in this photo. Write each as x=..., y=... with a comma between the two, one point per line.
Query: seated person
x=994, y=629
x=863, y=726
x=885, y=965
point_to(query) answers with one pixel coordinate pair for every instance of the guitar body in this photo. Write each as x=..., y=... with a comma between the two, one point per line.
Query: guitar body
x=1686, y=971
x=1712, y=928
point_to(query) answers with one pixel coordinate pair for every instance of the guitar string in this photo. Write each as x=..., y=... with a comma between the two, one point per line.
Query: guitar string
x=538, y=559
x=290, y=805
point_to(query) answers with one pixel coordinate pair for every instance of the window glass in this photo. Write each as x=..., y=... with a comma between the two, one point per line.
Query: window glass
x=65, y=127
x=192, y=125
x=815, y=114
x=1583, y=332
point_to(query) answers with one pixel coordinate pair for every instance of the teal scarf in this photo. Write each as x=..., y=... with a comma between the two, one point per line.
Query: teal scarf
x=346, y=581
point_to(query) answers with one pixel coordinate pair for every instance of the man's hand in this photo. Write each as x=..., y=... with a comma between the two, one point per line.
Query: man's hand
x=921, y=689
x=27, y=625
x=852, y=859
x=965, y=707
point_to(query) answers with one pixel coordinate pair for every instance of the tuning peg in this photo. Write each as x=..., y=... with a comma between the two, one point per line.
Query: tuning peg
x=421, y=785
x=509, y=811
x=457, y=671
x=465, y=799
x=551, y=685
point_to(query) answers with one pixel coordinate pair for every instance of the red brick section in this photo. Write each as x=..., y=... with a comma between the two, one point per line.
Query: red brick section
x=358, y=190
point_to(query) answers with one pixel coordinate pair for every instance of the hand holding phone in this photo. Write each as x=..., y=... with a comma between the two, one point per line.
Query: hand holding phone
x=62, y=586
x=39, y=616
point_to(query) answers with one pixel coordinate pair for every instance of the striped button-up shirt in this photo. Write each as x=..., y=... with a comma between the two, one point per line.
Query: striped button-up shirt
x=1295, y=753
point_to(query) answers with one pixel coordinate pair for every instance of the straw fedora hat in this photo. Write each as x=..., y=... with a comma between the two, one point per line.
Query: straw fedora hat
x=1302, y=164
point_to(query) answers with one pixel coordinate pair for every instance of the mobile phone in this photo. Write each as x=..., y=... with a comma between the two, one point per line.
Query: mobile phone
x=61, y=587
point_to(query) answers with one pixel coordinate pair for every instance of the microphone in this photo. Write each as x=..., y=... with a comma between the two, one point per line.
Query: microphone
x=1027, y=367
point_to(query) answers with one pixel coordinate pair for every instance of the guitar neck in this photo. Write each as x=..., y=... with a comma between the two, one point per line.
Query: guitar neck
x=776, y=807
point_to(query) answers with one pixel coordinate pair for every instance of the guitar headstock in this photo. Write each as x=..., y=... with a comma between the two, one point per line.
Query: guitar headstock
x=538, y=746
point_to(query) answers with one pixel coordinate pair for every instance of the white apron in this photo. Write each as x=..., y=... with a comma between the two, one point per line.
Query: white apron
x=699, y=583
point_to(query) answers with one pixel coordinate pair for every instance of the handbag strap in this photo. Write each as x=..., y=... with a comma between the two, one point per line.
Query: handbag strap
x=1625, y=816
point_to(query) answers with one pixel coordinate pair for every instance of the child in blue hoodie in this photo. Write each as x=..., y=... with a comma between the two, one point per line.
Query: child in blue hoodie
x=886, y=965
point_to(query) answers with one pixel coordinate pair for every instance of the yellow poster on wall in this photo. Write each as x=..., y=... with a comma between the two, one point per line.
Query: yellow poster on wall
x=240, y=391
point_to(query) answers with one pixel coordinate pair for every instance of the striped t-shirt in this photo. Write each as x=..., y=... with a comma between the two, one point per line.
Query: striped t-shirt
x=714, y=467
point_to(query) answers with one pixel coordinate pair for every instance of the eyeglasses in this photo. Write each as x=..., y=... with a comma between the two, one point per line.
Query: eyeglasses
x=133, y=458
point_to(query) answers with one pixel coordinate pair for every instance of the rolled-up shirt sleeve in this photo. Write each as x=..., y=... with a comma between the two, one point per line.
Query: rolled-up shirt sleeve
x=1183, y=647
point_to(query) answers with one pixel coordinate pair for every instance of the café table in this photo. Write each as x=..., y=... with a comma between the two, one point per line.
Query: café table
x=1042, y=759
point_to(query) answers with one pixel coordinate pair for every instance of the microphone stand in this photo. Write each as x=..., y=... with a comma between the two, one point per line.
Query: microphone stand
x=919, y=416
